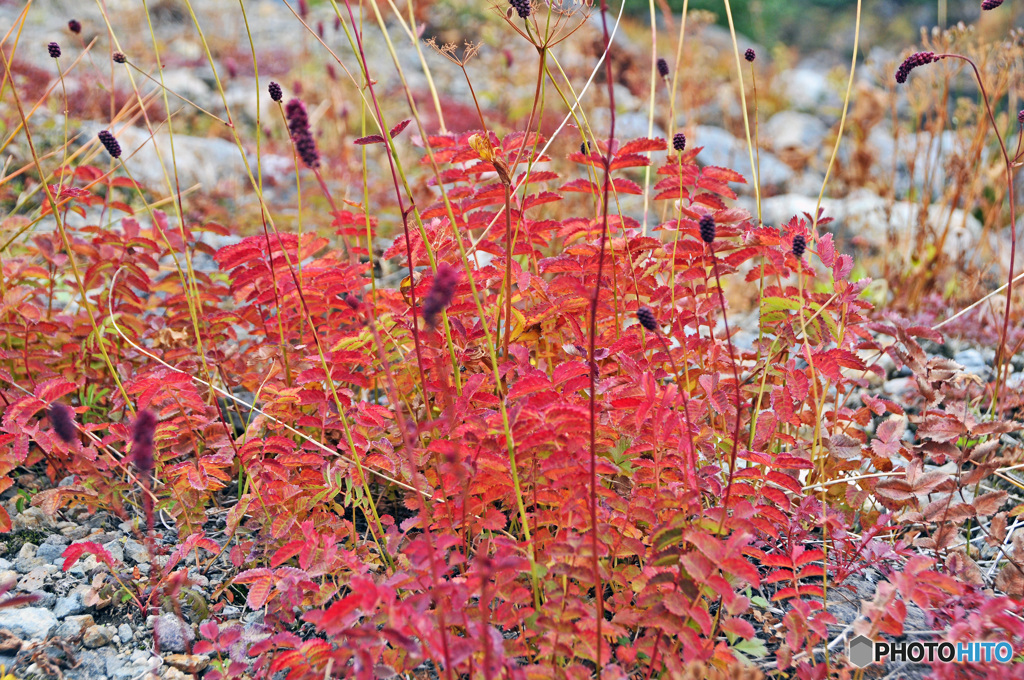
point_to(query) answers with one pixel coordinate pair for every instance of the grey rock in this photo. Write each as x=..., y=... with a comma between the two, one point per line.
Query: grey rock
x=722, y=149
x=794, y=131
x=873, y=220
x=75, y=533
x=214, y=163
x=807, y=89
x=26, y=564
x=84, y=566
x=5, y=565
x=899, y=386
x=91, y=666
x=115, y=549
x=973, y=362
x=50, y=551
x=69, y=606
x=97, y=636
x=46, y=599
x=34, y=623
x=172, y=633
x=135, y=551
x=36, y=579
x=125, y=632
x=73, y=626
x=28, y=551
x=115, y=663
x=30, y=518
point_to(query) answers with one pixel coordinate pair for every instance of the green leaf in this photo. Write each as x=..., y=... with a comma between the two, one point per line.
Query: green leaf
x=754, y=648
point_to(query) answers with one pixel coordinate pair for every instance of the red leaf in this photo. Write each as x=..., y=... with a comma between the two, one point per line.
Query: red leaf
x=76, y=550
x=642, y=145
x=738, y=627
x=369, y=139
x=397, y=130
x=260, y=583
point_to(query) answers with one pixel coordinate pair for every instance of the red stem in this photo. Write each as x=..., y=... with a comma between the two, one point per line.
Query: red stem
x=1013, y=221
x=598, y=587
x=736, y=382
x=398, y=194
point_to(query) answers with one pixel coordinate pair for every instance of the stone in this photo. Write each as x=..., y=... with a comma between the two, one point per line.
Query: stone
x=91, y=666
x=172, y=633
x=73, y=626
x=29, y=518
x=36, y=579
x=34, y=623
x=115, y=663
x=807, y=89
x=26, y=564
x=188, y=663
x=69, y=606
x=125, y=632
x=50, y=551
x=722, y=149
x=174, y=674
x=97, y=636
x=46, y=599
x=899, y=386
x=973, y=363
x=212, y=162
x=135, y=551
x=75, y=533
x=864, y=217
x=115, y=549
x=794, y=131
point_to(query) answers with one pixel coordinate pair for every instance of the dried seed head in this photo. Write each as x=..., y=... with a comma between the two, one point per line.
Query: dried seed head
x=679, y=142
x=647, y=319
x=62, y=420
x=120, y=58
x=522, y=7
x=74, y=26
x=990, y=4
x=584, y=147
x=276, y=93
x=298, y=127
x=912, y=62
x=707, y=228
x=110, y=142
x=441, y=293
x=799, y=245
x=662, y=68
x=142, y=443
x=1020, y=116
x=750, y=54
x=54, y=50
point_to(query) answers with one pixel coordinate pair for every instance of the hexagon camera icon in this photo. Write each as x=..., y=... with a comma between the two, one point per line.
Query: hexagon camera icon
x=862, y=651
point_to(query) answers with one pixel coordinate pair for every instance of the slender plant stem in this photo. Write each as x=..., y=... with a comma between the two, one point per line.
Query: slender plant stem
x=595, y=557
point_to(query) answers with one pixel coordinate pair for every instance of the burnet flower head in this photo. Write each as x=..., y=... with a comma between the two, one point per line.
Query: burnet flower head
x=298, y=128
